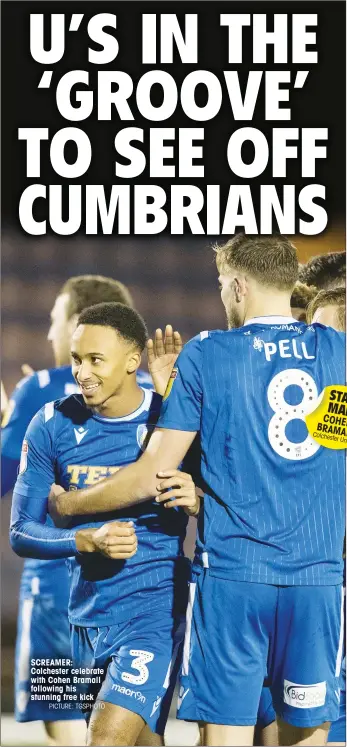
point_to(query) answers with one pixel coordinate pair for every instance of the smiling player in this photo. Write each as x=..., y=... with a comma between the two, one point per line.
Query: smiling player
x=44, y=590
x=125, y=614
x=268, y=600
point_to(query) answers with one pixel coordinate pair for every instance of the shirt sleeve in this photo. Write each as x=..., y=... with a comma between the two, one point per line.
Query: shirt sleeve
x=9, y=471
x=24, y=402
x=32, y=534
x=182, y=402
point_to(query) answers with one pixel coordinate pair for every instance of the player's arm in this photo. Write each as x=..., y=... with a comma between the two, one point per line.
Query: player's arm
x=30, y=535
x=177, y=427
x=133, y=484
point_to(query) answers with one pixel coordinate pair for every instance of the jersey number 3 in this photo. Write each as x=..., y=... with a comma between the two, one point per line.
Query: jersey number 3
x=139, y=663
x=285, y=413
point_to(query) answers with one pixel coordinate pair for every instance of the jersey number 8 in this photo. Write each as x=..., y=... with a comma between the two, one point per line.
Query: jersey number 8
x=284, y=413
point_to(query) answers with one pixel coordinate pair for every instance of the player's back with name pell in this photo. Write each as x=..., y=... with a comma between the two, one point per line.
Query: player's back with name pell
x=274, y=495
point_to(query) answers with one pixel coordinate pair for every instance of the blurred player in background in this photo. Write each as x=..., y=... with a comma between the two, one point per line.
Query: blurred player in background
x=43, y=627
x=125, y=608
x=268, y=600
x=325, y=271
x=4, y=400
x=329, y=307
x=300, y=298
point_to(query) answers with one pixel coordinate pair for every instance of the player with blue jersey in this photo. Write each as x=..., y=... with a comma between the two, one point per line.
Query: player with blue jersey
x=44, y=590
x=268, y=600
x=327, y=307
x=129, y=581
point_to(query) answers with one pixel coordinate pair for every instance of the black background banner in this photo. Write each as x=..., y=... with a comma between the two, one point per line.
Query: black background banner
x=320, y=103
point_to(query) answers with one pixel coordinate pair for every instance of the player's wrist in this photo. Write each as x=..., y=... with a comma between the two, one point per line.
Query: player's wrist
x=84, y=540
x=190, y=511
x=194, y=510
x=61, y=504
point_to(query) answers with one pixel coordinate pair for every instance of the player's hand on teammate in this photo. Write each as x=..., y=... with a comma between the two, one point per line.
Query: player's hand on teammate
x=116, y=540
x=182, y=491
x=162, y=353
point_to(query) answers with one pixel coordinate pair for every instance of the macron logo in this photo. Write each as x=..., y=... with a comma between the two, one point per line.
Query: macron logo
x=80, y=433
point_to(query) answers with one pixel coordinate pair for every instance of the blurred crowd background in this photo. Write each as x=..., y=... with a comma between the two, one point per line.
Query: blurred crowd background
x=172, y=280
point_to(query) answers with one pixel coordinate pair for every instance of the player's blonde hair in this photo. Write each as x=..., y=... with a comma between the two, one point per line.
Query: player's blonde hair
x=271, y=260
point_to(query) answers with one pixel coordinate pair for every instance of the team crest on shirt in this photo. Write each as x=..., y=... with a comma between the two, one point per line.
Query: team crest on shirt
x=23, y=458
x=143, y=435
x=172, y=378
x=258, y=343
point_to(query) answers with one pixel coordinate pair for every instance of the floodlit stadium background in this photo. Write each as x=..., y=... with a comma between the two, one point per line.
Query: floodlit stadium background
x=172, y=280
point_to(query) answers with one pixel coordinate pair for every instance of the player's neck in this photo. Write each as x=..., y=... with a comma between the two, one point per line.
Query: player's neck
x=274, y=305
x=122, y=403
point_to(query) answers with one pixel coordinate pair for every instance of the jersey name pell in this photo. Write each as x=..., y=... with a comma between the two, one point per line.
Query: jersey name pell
x=284, y=348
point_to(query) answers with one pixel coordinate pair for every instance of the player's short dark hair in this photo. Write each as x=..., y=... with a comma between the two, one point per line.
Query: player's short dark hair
x=124, y=320
x=88, y=290
x=271, y=260
x=302, y=295
x=331, y=297
x=325, y=271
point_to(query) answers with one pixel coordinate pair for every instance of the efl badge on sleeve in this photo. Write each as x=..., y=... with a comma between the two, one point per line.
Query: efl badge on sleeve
x=170, y=383
x=23, y=457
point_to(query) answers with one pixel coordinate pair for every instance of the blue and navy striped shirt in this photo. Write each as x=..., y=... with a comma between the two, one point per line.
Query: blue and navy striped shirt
x=274, y=502
x=68, y=444
x=30, y=394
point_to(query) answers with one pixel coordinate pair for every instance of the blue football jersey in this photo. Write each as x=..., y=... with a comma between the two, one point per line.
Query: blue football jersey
x=69, y=444
x=30, y=394
x=274, y=499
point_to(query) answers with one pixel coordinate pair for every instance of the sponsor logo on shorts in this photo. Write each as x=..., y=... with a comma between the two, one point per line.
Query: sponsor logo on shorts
x=156, y=705
x=130, y=693
x=304, y=696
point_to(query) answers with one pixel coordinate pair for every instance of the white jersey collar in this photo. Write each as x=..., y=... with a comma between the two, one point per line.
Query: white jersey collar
x=271, y=320
x=145, y=405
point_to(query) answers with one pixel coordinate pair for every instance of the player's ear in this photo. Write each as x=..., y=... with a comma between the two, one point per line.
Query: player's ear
x=238, y=289
x=134, y=361
x=240, y=286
